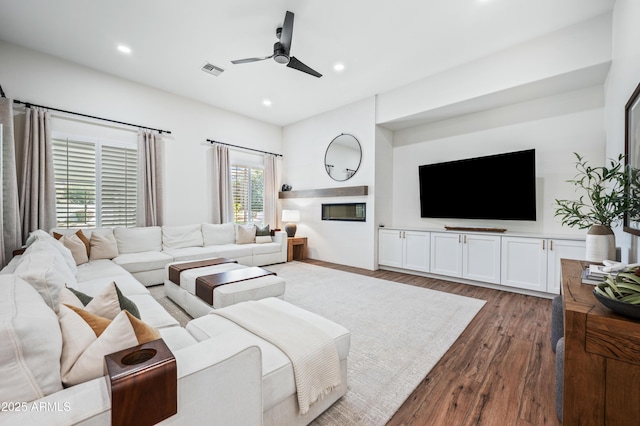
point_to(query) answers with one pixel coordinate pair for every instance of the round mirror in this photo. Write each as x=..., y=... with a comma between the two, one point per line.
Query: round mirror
x=343, y=156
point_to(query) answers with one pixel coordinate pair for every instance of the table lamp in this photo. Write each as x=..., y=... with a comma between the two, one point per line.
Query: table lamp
x=290, y=216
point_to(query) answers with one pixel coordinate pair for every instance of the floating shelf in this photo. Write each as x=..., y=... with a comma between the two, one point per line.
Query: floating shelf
x=345, y=191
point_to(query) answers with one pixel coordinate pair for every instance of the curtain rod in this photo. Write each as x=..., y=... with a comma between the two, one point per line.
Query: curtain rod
x=91, y=116
x=242, y=147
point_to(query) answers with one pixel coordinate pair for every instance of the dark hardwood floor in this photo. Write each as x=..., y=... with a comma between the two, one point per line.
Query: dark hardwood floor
x=501, y=371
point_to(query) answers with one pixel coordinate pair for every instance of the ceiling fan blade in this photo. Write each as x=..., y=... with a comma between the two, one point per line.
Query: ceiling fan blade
x=297, y=65
x=287, y=32
x=247, y=60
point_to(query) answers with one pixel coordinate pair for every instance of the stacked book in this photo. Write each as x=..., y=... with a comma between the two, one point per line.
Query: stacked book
x=594, y=275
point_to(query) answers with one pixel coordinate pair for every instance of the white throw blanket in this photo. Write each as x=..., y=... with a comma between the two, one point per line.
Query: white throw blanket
x=312, y=352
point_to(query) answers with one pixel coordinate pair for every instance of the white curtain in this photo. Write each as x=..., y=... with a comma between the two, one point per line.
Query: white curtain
x=37, y=191
x=150, y=178
x=270, y=190
x=10, y=231
x=221, y=190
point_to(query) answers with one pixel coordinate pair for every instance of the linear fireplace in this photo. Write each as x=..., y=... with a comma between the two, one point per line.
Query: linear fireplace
x=353, y=212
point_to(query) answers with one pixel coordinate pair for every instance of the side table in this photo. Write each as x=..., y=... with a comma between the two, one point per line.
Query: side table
x=296, y=248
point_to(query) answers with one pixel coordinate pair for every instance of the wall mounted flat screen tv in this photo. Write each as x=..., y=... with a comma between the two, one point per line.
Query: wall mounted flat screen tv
x=501, y=186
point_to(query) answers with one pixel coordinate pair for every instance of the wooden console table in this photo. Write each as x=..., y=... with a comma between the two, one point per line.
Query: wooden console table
x=296, y=248
x=601, y=357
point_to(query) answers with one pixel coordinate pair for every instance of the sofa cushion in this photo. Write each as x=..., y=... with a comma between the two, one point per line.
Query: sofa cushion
x=127, y=284
x=263, y=239
x=43, y=237
x=265, y=248
x=87, y=338
x=193, y=253
x=235, y=251
x=215, y=234
x=98, y=269
x=143, y=261
x=245, y=234
x=177, y=338
x=136, y=240
x=102, y=246
x=152, y=312
x=181, y=236
x=31, y=343
x=44, y=268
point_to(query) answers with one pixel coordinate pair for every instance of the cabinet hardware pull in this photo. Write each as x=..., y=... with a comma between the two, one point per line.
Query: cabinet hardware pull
x=459, y=240
x=465, y=239
x=542, y=244
x=551, y=245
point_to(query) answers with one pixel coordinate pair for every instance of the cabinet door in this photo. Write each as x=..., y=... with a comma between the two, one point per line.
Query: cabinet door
x=446, y=254
x=416, y=250
x=481, y=257
x=390, y=247
x=561, y=249
x=524, y=263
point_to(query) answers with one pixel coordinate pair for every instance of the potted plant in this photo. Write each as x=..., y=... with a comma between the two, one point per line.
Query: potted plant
x=602, y=204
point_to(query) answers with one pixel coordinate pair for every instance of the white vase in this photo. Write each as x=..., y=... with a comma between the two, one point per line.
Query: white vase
x=601, y=244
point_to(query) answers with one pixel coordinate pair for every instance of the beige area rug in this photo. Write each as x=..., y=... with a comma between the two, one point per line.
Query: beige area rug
x=398, y=333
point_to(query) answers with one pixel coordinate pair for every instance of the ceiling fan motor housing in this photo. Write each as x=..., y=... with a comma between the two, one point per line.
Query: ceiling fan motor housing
x=279, y=54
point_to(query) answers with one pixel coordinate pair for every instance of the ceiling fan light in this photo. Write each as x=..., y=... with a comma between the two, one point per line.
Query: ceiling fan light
x=281, y=59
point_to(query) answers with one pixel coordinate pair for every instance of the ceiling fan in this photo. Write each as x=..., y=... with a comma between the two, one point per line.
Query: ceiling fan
x=281, y=49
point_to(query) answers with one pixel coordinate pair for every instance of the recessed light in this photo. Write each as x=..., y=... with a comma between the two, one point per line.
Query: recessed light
x=124, y=49
x=338, y=67
x=266, y=102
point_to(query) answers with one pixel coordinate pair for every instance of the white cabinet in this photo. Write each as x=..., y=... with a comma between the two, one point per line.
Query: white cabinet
x=534, y=263
x=524, y=263
x=471, y=256
x=404, y=249
x=561, y=249
x=390, y=247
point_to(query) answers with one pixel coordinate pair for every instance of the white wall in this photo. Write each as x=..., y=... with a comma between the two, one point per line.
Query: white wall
x=577, y=125
x=622, y=80
x=30, y=76
x=579, y=47
x=304, y=145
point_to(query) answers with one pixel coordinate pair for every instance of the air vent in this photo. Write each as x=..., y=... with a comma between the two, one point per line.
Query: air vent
x=212, y=69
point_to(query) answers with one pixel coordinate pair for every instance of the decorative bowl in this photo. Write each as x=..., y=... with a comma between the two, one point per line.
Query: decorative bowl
x=623, y=308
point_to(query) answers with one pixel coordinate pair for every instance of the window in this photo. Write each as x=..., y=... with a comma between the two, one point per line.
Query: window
x=96, y=182
x=248, y=193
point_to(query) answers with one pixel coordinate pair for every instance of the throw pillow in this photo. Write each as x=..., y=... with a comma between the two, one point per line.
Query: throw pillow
x=80, y=235
x=103, y=246
x=77, y=248
x=261, y=239
x=87, y=338
x=108, y=303
x=245, y=234
x=262, y=230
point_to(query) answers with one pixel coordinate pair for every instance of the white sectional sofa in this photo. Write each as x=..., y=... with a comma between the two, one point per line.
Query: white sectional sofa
x=226, y=374
x=145, y=251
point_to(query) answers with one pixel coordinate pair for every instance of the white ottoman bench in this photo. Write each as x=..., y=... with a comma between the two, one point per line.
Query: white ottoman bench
x=200, y=286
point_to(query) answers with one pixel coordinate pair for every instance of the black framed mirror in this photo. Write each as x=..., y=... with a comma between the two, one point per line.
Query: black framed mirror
x=632, y=161
x=343, y=157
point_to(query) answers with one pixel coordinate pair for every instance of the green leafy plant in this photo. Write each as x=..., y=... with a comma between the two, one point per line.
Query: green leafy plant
x=604, y=200
x=624, y=286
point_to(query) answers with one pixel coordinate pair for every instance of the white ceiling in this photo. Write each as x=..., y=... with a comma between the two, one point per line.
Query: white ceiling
x=383, y=44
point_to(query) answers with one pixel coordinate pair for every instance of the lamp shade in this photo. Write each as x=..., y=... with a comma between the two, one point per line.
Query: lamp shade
x=291, y=215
